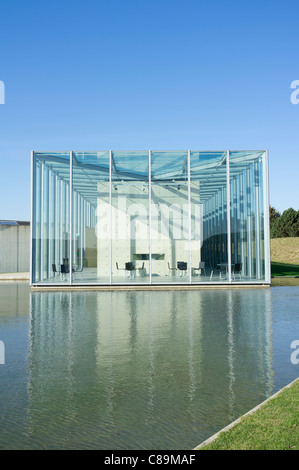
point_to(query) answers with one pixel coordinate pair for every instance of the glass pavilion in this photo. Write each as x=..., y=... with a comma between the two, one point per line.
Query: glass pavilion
x=150, y=217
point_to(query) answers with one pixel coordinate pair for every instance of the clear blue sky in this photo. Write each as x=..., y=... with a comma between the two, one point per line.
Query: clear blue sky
x=148, y=74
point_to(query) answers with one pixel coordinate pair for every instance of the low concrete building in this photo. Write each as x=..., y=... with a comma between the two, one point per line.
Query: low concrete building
x=14, y=246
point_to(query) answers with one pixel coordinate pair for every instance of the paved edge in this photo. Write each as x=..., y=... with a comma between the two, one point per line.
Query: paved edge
x=126, y=287
x=14, y=276
x=231, y=425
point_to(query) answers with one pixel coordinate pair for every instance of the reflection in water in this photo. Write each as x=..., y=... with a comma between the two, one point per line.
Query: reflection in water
x=154, y=370
x=230, y=356
x=151, y=371
x=192, y=374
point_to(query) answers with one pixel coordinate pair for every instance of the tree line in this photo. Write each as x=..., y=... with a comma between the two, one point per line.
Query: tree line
x=285, y=224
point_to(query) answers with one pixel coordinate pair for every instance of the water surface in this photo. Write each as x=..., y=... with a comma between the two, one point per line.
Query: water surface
x=138, y=370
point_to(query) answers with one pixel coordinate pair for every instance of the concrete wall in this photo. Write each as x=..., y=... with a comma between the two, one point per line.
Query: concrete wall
x=130, y=227
x=14, y=248
x=90, y=248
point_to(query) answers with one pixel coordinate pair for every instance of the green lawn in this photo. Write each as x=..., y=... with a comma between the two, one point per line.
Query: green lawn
x=283, y=269
x=274, y=426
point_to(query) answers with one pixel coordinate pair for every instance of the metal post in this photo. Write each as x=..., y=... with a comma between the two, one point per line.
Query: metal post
x=189, y=218
x=71, y=219
x=229, y=257
x=32, y=213
x=266, y=217
x=110, y=204
x=41, y=261
x=150, y=211
x=257, y=221
x=61, y=217
x=242, y=218
x=235, y=220
x=249, y=211
x=48, y=218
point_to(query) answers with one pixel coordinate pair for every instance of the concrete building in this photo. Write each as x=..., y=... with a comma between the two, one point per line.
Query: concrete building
x=14, y=246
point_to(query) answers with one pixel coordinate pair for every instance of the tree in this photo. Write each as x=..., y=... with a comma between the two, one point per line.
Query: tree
x=274, y=215
x=287, y=225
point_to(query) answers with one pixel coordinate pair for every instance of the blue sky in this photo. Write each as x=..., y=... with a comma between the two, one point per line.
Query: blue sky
x=148, y=74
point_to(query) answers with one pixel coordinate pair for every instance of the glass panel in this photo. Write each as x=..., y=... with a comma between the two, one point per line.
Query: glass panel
x=50, y=218
x=91, y=218
x=111, y=219
x=247, y=216
x=209, y=217
x=130, y=217
x=169, y=217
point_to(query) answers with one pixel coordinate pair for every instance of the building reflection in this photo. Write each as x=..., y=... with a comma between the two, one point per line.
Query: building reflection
x=145, y=369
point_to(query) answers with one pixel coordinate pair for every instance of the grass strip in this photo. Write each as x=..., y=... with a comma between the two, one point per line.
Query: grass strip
x=273, y=426
x=283, y=269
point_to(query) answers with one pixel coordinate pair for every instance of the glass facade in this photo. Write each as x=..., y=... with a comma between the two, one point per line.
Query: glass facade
x=150, y=217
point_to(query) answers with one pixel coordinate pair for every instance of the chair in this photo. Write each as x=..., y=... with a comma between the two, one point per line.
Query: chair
x=182, y=266
x=130, y=268
x=170, y=269
x=64, y=269
x=54, y=269
x=121, y=269
x=201, y=268
x=79, y=271
x=140, y=269
x=222, y=272
x=237, y=270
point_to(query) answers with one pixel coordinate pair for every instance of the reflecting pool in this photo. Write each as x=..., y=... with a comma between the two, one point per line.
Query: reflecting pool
x=138, y=370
